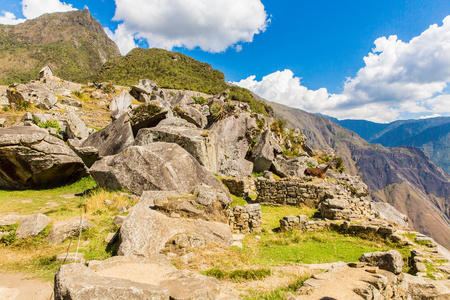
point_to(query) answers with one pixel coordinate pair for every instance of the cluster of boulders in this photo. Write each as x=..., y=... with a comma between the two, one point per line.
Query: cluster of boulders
x=32, y=226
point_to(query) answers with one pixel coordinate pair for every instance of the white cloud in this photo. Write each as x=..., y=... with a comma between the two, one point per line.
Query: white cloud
x=430, y=116
x=123, y=38
x=212, y=26
x=9, y=18
x=398, y=79
x=34, y=8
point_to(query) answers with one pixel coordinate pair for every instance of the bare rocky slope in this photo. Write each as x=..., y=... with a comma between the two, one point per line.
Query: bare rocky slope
x=405, y=177
x=74, y=44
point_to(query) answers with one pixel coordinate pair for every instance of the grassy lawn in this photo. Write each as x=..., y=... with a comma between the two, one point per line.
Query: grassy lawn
x=35, y=255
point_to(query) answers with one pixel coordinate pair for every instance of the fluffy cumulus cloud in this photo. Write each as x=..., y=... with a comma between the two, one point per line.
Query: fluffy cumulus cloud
x=124, y=39
x=9, y=18
x=399, y=78
x=212, y=26
x=34, y=8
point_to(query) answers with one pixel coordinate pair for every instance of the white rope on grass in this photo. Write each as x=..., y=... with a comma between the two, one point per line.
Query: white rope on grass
x=81, y=221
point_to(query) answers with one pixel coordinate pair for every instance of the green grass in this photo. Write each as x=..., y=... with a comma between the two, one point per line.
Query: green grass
x=237, y=201
x=279, y=293
x=34, y=255
x=239, y=274
x=33, y=201
x=272, y=215
x=311, y=248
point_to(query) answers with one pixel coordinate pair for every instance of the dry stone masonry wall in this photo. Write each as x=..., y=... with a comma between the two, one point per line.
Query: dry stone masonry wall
x=246, y=219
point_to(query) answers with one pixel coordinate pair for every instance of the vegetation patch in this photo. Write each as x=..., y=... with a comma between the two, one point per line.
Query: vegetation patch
x=239, y=274
x=271, y=215
x=278, y=294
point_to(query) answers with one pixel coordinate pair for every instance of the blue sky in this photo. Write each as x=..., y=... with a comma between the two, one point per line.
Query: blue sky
x=315, y=55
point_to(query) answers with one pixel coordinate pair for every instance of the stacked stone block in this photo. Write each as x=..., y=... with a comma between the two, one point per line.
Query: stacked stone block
x=239, y=186
x=289, y=191
x=346, y=208
x=246, y=219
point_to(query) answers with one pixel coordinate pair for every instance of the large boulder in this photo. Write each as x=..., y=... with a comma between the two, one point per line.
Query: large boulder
x=31, y=158
x=135, y=278
x=110, y=140
x=232, y=145
x=390, y=213
x=146, y=231
x=263, y=152
x=147, y=115
x=121, y=102
x=78, y=282
x=291, y=167
x=391, y=260
x=204, y=203
x=32, y=92
x=158, y=166
x=75, y=127
x=199, y=143
x=192, y=115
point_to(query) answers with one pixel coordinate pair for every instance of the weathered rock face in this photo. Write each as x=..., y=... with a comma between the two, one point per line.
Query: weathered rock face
x=112, y=139
x=157, y=166
x=31, y=158
x=291, y=167
x=121, y=102
x=232, y=145
x=198, y=142
x=62, y=230
x=75, y=127
x=390, y=261
x=147, y=115
x=77, y=282
x=204, y=203
x=135, y=278
x=263, y=152
x=146, y=231
x=388, y=212
x=32, y=226
x=32, y=93
x=192, y=115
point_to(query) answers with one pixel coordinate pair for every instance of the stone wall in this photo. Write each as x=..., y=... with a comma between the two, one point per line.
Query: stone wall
x=245, y=219
x=289, y=191
x=239, y=186
x=346, y=208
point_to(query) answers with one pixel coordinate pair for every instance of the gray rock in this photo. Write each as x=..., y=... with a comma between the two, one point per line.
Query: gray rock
x=232, y=145
x=147, y=115
x=425, y=288
x=263, y=152
x=192, y=115
x=71, y=102
x=181, y=99
x=121, y=102
x=390, y=261
x=11, y=219
x=146, y=231
x=198, y=142
x=62, y=230
x=32, y=226
x=287, y=167
x=112, y=139
x=77, y=282
x=157, y=166
x=75, y=127
x=32, y=158
x=390, y=213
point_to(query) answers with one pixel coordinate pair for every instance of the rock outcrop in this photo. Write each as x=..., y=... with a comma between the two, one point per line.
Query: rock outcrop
x=146, y=231
x=32, y=226
x=391, y=260
x=32, y=158
x=64, y=229
x=157, y=166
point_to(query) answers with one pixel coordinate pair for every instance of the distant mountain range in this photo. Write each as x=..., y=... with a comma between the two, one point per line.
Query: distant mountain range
x=431, y=135
x=74, y=44
x=404, y=177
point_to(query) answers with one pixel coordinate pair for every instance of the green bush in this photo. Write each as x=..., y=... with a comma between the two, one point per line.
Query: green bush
x=199, y=100
x=22, y=105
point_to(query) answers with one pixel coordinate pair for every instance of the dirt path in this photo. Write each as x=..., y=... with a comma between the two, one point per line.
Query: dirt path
x=16, y=286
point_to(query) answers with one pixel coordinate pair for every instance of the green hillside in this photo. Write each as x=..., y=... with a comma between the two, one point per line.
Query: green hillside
x=74, y=44
x=174, y=70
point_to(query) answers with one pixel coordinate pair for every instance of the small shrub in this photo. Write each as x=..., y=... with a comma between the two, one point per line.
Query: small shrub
x=109, y=88
x=199, y=100
x=217, y=112
x=279, y=125
x=22, y=105
x=11, y=236
x=310, y=164
x=6, y=108
x=78, y=94
x=47, y=124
